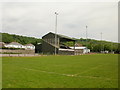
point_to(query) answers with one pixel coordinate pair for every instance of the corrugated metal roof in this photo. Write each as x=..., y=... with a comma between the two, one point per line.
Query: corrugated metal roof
x=61, y=36
x=61, y=49
x=78, y=47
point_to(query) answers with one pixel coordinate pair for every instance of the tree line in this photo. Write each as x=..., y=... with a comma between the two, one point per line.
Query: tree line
x=97, y=45
x=8, y=38
x=93, y=45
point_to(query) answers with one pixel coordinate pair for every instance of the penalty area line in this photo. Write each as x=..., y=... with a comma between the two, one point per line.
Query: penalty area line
x=69, y=75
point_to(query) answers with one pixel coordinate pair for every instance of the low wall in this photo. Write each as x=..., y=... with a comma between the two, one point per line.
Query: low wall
x=18, y=55
x=66, y=52
x=79, y=51
x=17, y=51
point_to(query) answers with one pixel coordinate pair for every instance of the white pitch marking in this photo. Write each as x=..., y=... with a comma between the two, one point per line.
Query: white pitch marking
x=69, y=75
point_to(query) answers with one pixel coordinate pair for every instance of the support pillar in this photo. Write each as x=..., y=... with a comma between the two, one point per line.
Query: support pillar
x=74, y=47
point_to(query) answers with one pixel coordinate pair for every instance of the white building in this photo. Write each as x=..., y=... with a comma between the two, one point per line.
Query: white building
x=29, y=46
x=14, y=45
x=80, y=50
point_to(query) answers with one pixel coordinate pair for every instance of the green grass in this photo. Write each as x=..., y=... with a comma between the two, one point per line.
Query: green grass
x=0, y=73
x=85, y=71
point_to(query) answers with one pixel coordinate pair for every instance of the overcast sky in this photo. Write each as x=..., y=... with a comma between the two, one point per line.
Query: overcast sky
x=35, y=19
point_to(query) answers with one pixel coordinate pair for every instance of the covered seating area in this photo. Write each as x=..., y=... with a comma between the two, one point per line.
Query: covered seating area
x=49, y=44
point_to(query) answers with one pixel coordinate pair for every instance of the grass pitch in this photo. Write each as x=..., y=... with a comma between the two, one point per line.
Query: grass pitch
x=85, y=71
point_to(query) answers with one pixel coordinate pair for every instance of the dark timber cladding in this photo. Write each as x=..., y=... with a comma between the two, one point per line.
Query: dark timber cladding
x=48, y=44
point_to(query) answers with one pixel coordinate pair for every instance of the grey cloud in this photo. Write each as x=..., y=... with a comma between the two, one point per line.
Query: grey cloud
x=36, y=19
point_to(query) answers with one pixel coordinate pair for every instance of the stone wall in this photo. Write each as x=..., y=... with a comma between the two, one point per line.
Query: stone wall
x=17, y=51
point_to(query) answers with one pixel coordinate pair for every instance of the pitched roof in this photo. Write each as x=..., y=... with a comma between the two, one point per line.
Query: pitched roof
x=62, y=36
x=29, y=45
x=14, y=43
x=2, y=43
x=79, y=47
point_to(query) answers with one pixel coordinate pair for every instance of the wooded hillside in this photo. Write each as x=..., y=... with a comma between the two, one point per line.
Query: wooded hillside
x=93, y=45
x=97, y=45
x=7, y=38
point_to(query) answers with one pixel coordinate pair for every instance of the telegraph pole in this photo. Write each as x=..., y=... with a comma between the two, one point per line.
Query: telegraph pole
x=86, y=35
x=56, y=31
x=101, y=41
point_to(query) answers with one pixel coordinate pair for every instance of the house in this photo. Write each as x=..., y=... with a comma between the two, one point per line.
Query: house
x=29, y=46
x=49, y=45
x=81, y=50
x=14, y=45
x=2, y=44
